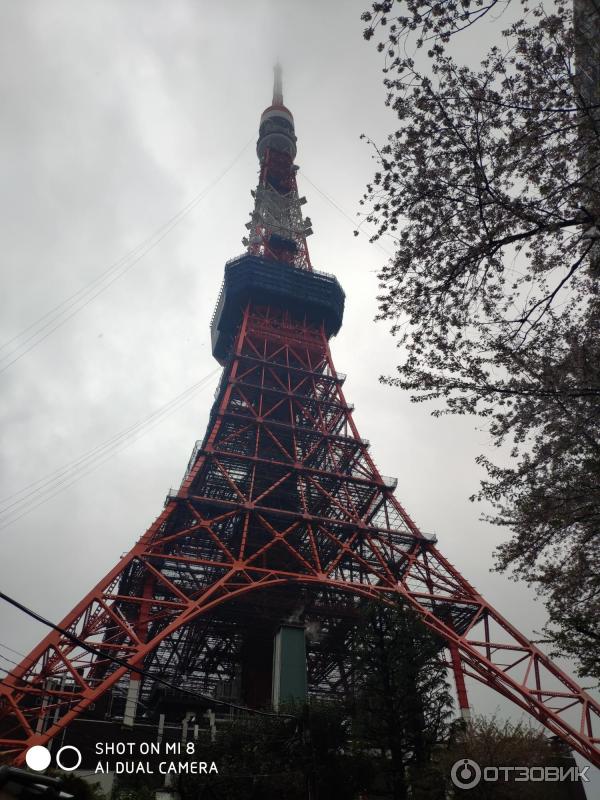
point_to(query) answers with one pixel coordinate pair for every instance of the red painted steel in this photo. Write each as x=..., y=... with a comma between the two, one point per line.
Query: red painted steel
x=283, y=495
x=278, y=176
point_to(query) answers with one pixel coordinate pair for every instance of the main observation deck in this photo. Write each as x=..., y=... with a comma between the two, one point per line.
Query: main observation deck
x=314, y=296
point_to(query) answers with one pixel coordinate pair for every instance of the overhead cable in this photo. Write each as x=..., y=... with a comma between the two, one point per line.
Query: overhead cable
x=51, y=484
x=340, y=210
x=72, y=305
x=130, y=667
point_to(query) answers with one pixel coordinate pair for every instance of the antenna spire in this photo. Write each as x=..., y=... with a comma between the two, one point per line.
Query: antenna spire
x=277, y=85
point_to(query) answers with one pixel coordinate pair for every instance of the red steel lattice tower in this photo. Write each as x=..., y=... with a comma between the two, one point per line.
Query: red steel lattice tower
x=281, y=515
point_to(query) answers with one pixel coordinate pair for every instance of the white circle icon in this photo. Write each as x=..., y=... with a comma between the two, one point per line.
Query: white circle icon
x=61, y=751
x=38, y=758
x=465, y=774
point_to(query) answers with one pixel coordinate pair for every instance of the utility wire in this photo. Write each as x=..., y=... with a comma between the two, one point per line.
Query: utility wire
x=10, y=661
x=22, y=656
x=122, y=663
x=80, y=299
x=12, y=650
x=345, y=214
x=113, y=441
x=98, y=279
x=67, y=476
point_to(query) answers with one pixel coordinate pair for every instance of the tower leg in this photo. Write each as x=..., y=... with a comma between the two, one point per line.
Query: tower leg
x=459, y=681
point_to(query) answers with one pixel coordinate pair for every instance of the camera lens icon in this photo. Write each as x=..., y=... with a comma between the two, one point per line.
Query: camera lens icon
x=39, y=757
x=465, y=773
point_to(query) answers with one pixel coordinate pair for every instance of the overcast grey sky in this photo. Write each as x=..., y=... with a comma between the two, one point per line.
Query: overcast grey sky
x=115, y=114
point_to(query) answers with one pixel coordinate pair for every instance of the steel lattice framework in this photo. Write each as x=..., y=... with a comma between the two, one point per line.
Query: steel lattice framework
x=282, y=513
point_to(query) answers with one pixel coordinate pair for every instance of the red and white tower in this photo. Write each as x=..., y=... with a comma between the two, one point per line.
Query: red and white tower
x=282, y=521
x=277, y=228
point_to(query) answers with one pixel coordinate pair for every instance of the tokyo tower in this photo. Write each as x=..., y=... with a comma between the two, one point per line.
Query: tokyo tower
x=282, y=523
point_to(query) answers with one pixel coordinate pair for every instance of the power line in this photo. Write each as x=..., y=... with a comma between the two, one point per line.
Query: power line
x=122, y=663
x=110, y=450
x=10, y=661
x=22, y=656
x=345, y=214
x=63, y=480
x=12, y=650
x=80, y=291
x=113, y=441
x=78, y=300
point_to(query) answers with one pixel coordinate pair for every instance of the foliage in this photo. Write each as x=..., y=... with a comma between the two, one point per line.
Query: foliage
x=383, y=738
x=136, y=788
x=490, y=187
x=493, y=743
x=77, y=787
x=403, y=703
x=273, y=757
